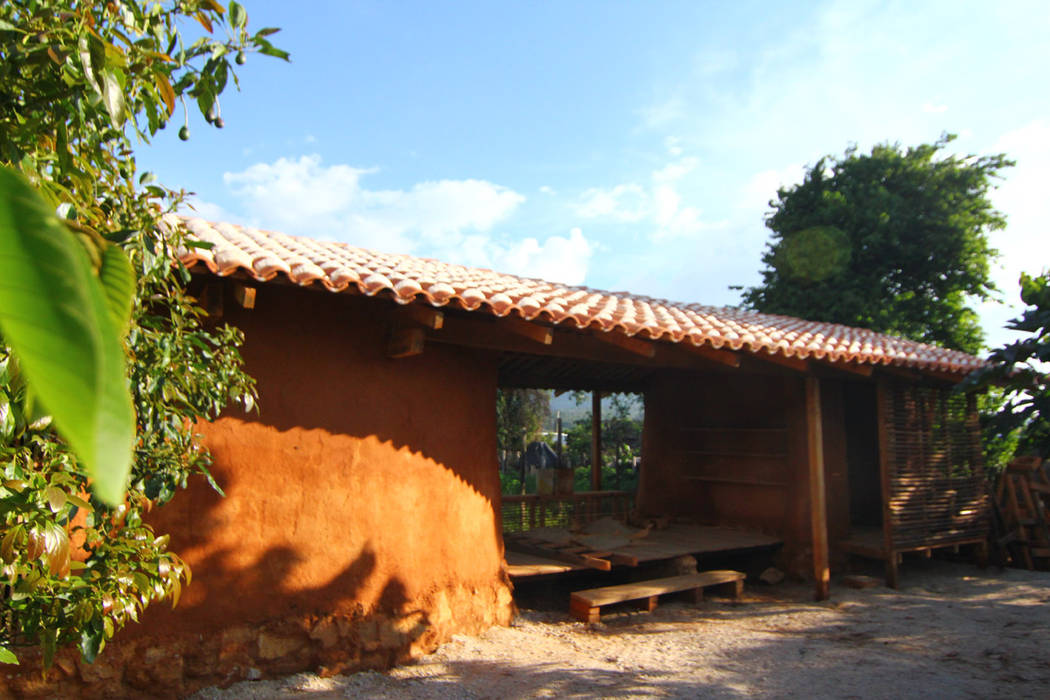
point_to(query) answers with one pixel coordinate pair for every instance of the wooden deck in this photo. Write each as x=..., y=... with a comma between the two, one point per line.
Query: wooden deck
x=675, y=541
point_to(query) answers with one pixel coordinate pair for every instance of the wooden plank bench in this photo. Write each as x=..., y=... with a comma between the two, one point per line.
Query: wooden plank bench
x=585, y=605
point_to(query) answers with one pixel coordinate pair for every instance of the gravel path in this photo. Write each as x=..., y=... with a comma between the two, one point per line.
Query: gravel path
x=951, y=631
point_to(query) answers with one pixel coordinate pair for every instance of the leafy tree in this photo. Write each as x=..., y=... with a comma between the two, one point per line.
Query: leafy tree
x=1018, y=370
x=895, y=240
x=80, y=84
x=521, y=413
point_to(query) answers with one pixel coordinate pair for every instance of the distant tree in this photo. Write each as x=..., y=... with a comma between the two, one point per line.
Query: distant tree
x=895, y=240
x=521, y=415
x=1019, y=370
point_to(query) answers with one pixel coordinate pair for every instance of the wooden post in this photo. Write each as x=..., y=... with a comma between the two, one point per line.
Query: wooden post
x=882, y=395
x=817, y=501
x=596, y=441
x=560, y=465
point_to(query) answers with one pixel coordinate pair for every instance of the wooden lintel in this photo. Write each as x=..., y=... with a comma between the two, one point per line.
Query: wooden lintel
x=244, y=295
x=789, y=362
x=405, y=342
x=533, y=331
x=724, y=357
x=425, y=316
x=818, y=510
x=636, y=346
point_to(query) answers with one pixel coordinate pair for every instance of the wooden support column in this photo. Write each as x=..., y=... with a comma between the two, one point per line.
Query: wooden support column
x=882, y=396
x=596, y=441
x=817, y=500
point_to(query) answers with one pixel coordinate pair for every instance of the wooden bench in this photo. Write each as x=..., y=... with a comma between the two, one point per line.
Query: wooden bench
x=585, y=605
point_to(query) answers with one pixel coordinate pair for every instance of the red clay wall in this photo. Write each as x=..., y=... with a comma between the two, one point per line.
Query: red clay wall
x=360, y=520
x=730, y=449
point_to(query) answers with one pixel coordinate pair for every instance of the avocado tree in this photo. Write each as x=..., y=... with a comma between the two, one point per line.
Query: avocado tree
x=81, y=83
x=894, y=240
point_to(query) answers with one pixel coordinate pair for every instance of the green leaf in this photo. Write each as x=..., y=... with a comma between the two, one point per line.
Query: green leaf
x=91, y=642
x=238, y=17
x=113, y=97
x=53, y=314
x=7, y=656
x=118, y=282
x=49, y=644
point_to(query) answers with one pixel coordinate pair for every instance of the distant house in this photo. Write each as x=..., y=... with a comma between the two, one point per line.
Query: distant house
x=362, y=517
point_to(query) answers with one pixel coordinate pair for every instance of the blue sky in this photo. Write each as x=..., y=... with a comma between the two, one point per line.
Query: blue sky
x=622, y=145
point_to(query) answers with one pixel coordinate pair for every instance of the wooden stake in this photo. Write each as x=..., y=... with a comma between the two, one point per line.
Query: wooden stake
x=596, y=441
x=817, y=500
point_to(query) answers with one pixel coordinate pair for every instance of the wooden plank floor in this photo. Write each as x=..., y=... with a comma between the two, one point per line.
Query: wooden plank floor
x=675, y=541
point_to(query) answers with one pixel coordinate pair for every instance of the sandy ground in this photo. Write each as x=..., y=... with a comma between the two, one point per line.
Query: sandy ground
x=951, y=631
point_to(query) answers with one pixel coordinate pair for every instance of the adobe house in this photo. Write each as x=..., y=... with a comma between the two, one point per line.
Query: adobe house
x=362, y=518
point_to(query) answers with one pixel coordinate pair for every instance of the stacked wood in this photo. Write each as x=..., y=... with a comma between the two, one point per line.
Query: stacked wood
x=1023, y=497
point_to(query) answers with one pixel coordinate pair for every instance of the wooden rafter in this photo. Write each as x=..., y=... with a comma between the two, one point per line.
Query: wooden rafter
x=636, y=346
x=543, y=335
x=723, y=357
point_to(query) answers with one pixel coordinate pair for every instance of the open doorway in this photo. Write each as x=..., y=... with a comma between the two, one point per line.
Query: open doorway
x=558, y=465
x=862, y=457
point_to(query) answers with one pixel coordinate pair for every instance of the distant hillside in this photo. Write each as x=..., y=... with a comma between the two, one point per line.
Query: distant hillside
x=571, y=412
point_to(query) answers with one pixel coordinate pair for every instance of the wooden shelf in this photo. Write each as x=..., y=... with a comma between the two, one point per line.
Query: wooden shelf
x=731, y=480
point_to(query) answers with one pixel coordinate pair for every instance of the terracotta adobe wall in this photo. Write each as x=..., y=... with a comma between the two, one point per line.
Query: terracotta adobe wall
x=360, y=524
x=730, y=449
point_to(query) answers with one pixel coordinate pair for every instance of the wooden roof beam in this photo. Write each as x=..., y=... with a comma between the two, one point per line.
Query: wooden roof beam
x=848, y=367
x=425, y=316
x=722, y=357
x=792, y=363
x=635, y=346
x=533, y=331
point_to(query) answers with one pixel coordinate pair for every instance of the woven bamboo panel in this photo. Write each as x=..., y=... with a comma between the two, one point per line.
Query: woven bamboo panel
x=937, y=492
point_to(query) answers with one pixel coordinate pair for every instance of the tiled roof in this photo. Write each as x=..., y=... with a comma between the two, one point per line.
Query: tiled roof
x=339, y=267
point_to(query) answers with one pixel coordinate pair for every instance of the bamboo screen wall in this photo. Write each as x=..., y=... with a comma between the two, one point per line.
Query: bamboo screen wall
x=934, y=464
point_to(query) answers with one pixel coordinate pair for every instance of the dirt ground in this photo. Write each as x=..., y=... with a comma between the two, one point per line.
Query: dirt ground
x=951, y=631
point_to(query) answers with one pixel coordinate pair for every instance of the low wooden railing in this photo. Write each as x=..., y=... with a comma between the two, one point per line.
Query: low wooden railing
x=527, y=512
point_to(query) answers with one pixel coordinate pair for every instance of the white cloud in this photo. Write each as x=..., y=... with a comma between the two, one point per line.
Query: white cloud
x=627, y=202
x=547, y=189
x=306, y=197
x=659, y=204
x=557, y=259
x=930, y=108
x=452, y=220
x=661, y=114
x=762, y=186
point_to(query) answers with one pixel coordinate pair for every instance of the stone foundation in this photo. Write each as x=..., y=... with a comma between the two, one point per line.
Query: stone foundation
x=329, y=645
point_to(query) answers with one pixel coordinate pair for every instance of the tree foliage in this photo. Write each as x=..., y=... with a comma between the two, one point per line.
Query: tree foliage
x=1018, y=373
x=521, y=415
x=895, y=240
x=80, y=84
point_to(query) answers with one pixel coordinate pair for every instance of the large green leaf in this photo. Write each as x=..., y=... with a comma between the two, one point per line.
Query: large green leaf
x=118, y=282
x=54, y=315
